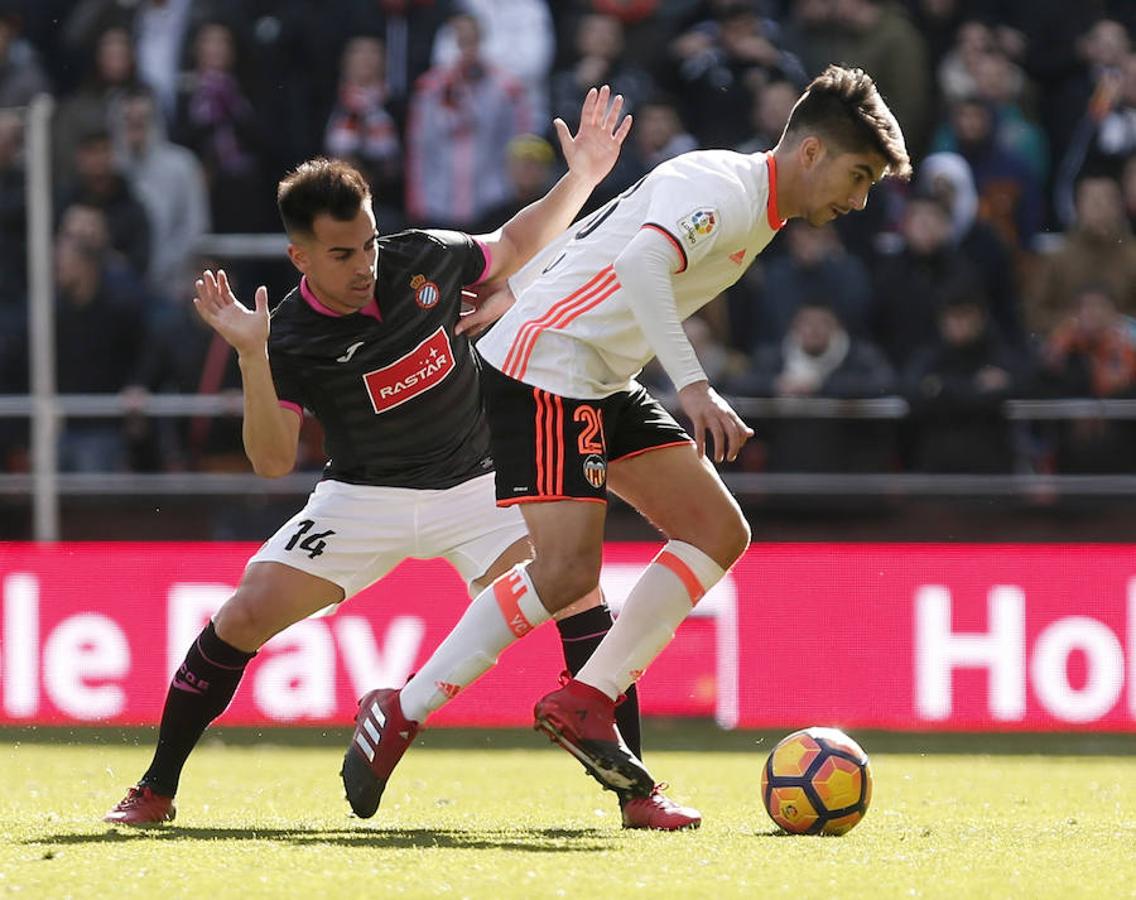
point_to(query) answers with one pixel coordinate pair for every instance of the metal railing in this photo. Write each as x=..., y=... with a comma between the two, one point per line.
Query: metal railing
x=748, y=484
x=46, y=410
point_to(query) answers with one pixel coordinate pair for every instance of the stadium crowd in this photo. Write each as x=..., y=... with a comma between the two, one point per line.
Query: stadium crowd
x=1006, y=269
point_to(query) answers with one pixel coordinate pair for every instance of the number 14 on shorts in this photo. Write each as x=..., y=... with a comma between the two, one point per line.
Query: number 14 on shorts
x=313, y=544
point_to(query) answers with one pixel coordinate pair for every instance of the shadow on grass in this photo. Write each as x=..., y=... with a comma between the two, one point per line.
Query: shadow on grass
x=691, y=735
x=530, y=840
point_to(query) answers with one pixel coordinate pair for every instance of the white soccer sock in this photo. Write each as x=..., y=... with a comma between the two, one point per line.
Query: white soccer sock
x=663, y=596
x=506, y=610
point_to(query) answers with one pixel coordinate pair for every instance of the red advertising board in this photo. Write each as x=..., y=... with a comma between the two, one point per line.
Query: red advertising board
x=1037, y=637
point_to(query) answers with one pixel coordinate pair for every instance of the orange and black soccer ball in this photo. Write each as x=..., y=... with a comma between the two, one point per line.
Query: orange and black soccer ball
x=817, y=781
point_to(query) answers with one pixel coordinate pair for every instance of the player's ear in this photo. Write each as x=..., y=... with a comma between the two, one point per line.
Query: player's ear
x=299, y=257
x=810, y=151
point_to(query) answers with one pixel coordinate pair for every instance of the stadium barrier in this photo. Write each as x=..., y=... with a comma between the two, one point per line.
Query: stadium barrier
x=910, y=636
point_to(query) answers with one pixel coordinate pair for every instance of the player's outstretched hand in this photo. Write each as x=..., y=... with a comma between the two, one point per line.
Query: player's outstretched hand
x=487, y=312
x=707, y=411
x=245, y=329
x=593, y=150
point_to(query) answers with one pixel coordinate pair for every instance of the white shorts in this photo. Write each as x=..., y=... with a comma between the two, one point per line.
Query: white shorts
x=352, y=534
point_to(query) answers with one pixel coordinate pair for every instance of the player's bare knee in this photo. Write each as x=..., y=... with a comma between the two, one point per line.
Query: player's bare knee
x=240, y=622
x=724, y=538
x=561, y=579
x=738, y=538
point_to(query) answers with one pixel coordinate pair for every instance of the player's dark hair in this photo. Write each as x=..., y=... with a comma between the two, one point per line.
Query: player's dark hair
x=320, y=186
x=843, y=107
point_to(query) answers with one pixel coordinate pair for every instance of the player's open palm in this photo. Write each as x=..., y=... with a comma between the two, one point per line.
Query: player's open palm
x=593, y=150
x=245, y=329
x=708, y=412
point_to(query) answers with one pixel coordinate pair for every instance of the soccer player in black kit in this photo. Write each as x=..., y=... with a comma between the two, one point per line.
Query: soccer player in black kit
x=367, y=344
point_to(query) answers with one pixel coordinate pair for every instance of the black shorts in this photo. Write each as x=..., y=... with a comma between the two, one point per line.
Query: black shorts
x=548, y=447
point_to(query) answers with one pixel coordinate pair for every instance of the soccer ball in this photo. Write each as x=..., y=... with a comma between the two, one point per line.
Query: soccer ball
x=817, y=781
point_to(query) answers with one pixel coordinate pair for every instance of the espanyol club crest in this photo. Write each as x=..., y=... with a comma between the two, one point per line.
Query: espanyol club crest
x=595, y=470
x=426, y=293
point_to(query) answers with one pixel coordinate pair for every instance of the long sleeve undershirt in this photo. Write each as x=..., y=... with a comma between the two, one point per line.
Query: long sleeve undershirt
x=645, y=270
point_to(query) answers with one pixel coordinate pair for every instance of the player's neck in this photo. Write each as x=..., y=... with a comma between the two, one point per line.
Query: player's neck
x=328, y=303
x=788, y=183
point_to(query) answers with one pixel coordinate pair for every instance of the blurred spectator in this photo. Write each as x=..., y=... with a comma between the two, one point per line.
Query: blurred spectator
x=362, y=131
x=531, y=168
x=957, y=387
x=818, y=358
x=1093, y=353
x=21, y=76
x=13, y=227
x=878, y=36
x=1002, y=84
x=657, y=135
x=159, y=28
x=182, y=355
x=1098, y=249
x=1106, y=138
x=939, y=21
x=815, y=265
x=408, y=29
x=812, y=33
x=1128, y=188
x=110, y=74
x=161, y=31
x=217, y=122
x=721, y=65
x=905, y=317
x=98, y=338
x=1009, y=192
x=517, y=36
x=170, y=182
x=957, y=73
x=88, y=227
x=100, y=183
x=947, y=177
x=462, y=118
x=1077, y=71
x=598, y=60
x=771, y=108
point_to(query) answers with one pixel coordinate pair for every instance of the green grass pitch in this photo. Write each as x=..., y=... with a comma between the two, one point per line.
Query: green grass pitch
x=505, y=815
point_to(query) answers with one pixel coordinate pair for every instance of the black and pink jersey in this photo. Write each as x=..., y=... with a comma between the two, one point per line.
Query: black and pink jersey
x=395, y=390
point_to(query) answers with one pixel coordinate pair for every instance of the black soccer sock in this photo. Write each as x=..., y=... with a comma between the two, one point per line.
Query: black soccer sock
x=580, y=635
x=199, y=693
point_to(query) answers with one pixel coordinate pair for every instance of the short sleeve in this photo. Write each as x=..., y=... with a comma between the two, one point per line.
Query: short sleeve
x=473, y=256
x=286, y=381
x=694, y=214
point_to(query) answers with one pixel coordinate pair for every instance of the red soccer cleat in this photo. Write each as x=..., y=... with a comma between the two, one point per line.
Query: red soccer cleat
x=581, y=719
x=657, y=811
x=382, y=734
x=141, y=806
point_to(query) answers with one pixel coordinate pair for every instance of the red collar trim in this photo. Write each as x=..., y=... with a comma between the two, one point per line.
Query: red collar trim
x=771, y=213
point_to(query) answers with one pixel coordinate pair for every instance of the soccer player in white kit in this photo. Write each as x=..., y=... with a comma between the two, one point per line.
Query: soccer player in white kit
x=366, y=342
x=568, y=421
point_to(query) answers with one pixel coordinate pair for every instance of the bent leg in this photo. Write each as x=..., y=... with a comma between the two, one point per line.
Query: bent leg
x=507, y=609
x=271, y=596
x=685, y=498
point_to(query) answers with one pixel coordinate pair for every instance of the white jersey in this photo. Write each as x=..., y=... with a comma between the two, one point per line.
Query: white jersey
x=572, y=332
